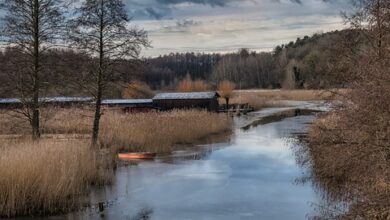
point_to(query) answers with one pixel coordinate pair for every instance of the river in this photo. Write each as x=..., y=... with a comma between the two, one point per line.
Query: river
x=251, y=175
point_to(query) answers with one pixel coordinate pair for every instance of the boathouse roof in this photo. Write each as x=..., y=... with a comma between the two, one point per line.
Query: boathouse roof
x=186, y=95
x=60, y=99
x=126, y=101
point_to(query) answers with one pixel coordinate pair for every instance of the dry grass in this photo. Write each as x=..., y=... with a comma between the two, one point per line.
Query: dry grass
x=351, y=163
x=53, y=175
x=53, y=121
x=155, y=131
x=252, y=99
x=259, y=99
x=298, y=95
x=158, y=132
x=46, y=177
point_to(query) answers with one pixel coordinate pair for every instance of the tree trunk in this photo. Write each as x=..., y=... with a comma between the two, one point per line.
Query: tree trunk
x=96, y=122
x=35, y=100
x=227, y=102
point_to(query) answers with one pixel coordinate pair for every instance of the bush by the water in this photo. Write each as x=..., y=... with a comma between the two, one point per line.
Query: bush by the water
x=49, y=176
x=350, y=147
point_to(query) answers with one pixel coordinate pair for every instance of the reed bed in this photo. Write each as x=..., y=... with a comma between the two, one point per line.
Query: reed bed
x=251, y=98
x=53, y=121
x=297, y=95
x=45, y=177
x=262, y=98
x=159, y=131
x=154, y=131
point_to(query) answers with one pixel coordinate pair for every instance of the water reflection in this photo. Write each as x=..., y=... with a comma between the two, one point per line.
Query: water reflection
x=251, y=176
x=280, y=116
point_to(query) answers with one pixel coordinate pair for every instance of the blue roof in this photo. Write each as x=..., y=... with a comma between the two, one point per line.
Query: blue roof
x=9, y=101
x=48, y=99
x=66, y=99
x=186, y=95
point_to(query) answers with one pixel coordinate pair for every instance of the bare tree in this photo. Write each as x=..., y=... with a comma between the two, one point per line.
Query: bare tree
x=101, y=28
x=225, y=89
x=31, y=27
x=349, y=148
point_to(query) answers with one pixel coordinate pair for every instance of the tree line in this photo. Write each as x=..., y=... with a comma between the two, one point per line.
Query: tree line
x=300, y=64
x=304, y=63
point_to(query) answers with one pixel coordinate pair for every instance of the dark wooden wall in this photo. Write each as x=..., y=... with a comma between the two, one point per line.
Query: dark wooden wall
x=168, y=104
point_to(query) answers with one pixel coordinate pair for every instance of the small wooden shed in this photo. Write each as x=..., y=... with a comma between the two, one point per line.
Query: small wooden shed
x=130, y=105
x=187, y=100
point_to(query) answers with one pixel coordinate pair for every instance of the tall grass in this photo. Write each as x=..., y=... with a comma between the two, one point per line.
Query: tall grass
x=298, y=95
x=159, y=131
x=154, y=131
x=46, y=177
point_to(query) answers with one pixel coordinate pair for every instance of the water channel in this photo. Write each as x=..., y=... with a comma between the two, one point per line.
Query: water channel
x=250, y=175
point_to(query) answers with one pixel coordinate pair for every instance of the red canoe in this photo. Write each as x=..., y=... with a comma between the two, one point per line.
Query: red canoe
x=140, y=155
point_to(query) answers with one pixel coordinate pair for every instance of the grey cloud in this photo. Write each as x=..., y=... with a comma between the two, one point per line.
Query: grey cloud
x=181, y=26
x=156, y=13
x=187, y=23
x=203, y=2
x=294, y=1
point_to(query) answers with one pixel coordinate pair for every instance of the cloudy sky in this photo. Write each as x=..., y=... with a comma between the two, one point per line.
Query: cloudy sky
x=227, y=25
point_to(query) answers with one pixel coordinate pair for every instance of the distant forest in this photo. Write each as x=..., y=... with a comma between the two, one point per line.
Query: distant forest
x=304, y=63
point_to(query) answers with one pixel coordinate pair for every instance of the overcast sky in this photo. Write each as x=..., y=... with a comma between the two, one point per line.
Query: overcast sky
x=227, y=25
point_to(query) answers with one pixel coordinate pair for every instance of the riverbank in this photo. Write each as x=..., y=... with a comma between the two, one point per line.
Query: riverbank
x=262, y=98
x=52, y=175
x=348, y=152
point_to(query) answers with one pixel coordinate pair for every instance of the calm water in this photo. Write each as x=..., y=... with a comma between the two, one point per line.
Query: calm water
x=251, y=176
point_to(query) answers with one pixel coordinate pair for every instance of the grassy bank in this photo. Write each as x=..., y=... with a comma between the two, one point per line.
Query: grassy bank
x=52, y=175
x=265, y=98
x=349, y=151
x=40, y=178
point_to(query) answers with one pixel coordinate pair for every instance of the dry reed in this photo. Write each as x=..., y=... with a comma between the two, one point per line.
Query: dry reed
x=259, y=99
x=40, y=178
x=154, y=131
x=159, y=131
x=298, y=95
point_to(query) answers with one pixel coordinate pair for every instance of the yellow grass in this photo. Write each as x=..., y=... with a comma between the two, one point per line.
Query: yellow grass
x=298, y=95
x=45, y=177
x=264, y=98
x=154, y=131
x=53, y=175
x=159, y=131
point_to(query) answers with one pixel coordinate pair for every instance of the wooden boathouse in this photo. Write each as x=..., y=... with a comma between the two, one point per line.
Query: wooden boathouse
x=162, y=101
x=130, y=105
x=187, y=100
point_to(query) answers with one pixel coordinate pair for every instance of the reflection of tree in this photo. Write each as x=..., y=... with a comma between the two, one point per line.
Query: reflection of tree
x=279, y=116
x=334, y=198
x=143, y=214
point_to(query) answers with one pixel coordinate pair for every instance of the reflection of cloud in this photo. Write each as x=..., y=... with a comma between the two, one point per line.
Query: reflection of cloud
x=208, y=169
